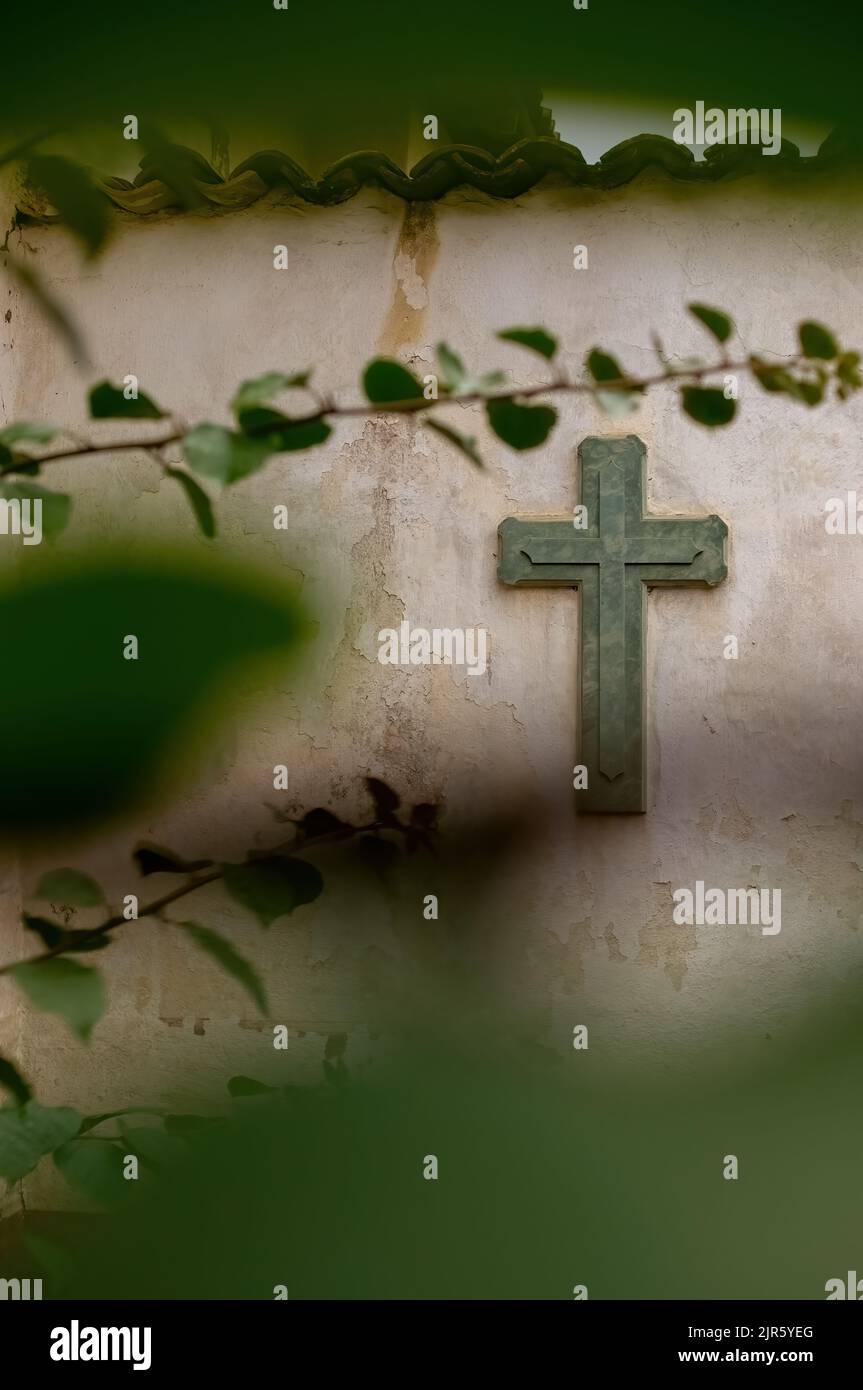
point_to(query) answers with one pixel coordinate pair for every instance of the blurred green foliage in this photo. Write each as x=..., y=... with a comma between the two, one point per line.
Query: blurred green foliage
x=87, y=732
x=353, y=72
x=553, y=1171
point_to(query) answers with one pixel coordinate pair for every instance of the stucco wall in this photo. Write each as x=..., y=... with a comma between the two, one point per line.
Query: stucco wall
x=754, y=764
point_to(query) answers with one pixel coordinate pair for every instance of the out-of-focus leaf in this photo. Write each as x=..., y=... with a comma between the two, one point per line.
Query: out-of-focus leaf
x=817, y=341
x=260, y=390
x=200, y=503
x=708, y=405
x=84, y=729
x=152, y=859
x=336, y=1045
x=68, y=186
x=51, y=935
x=617, y=404
x=536, y=339
x=29, y=1131
x=386, y=382
x=91, y=1121
x=272, y=888
x=108, y=402
x=520, y=426
x=69, y=888
x=386, y=800
x=154, y=1146
x=12, y=1081
x=75, y=992
x=451, y=369
x=319, y=821
x=465, y=443
x=229, y=959
x=247, y=1086
x=714, y=320
x=55, y=509
x=24, y=432
x=56, y=314
x=222, y=454
x=602, y=367
x=95, y=1167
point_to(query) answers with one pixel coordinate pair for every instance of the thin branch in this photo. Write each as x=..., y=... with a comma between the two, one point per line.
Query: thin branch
x=192, y=884
x=329, y=410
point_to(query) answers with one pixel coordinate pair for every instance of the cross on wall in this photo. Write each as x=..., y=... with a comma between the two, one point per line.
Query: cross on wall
x=621, y=552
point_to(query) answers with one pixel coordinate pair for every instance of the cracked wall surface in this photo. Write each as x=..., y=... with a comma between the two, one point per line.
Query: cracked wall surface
x=754, y=764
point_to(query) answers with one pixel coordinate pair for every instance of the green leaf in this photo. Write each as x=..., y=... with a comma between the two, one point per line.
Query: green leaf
x=602, y=367
x=25, y=432
x=54, y=311
x=29, y=1131
x=298, y=434
x=108, y=402
x=717, y=323
x=520, y=426
x=490, y=380
x=224, y=455
x=155, y=1148
x=91, y=1121
x=617, y=404
x=386, y=382
x=75, y=992
x=847, y=371
x=56, y=506
x=774, y=378
x=77, y=749
x=69, y=888
x=386, y=800
x=95, y=1167
x=152, y=859
x=52, y=935
x=537, y=339
x=336, y=1045
x=198, y=499
x=424, y=815
x=319, y=822
x=708, y=405
x=811, y=392
x=466, y=443
x=817, y=341
x=451, y=369
x=259, y=390
x=84, y=209
x=273, y=887
x=248, y=1086
x=224, y=953
x=12, y=1081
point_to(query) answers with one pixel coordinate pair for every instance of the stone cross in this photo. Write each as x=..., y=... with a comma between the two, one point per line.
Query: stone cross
x=621, y=553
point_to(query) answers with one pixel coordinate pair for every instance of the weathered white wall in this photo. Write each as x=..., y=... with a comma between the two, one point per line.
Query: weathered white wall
x=755, y=764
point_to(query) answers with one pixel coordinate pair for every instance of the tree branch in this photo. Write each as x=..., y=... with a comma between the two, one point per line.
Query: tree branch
x=327, y=410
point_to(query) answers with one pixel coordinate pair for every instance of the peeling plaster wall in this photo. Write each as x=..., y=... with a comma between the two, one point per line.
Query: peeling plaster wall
x=754, y=764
